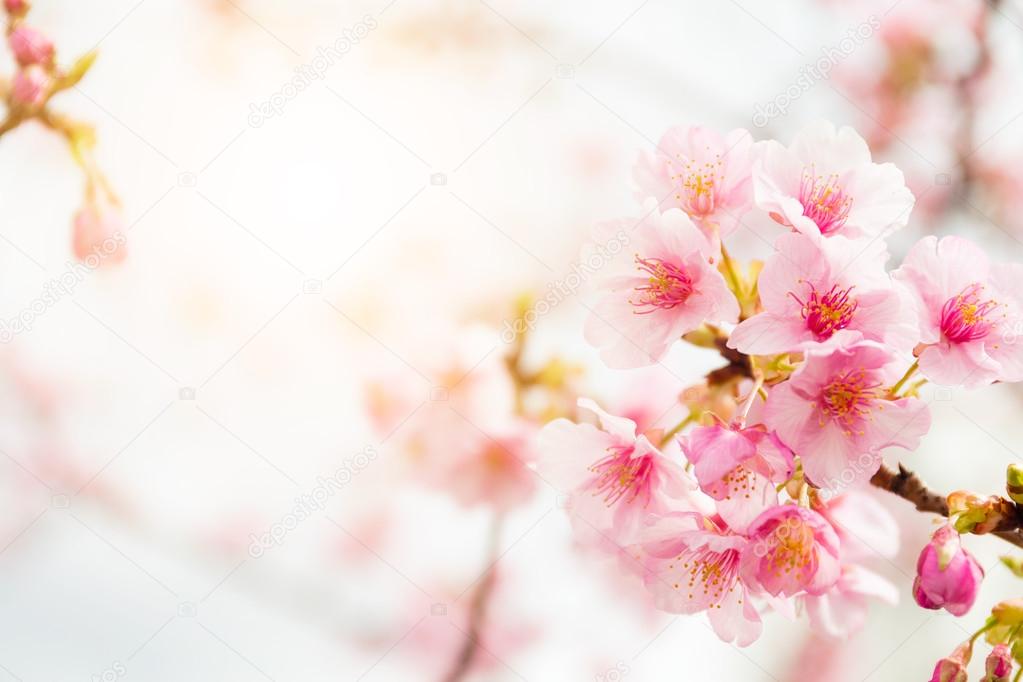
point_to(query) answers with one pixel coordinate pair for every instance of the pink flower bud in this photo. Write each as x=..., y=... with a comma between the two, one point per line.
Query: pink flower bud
x=30, y=46
x=99, y=236
x=947, y=576
x=953, y=667
x=16, y=7
x=30, y=86
x=998, y=665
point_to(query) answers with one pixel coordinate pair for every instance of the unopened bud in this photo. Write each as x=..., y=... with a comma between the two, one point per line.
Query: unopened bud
x=16, y=8
x=952, y=668
x=30, y=46
x=1014, y=483
x=998, y=666
x=1008, y=612
x=973, y=513
x=30, y=86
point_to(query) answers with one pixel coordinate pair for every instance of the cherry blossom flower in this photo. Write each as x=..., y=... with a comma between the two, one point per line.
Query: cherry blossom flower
x=488, y=468
x=739, y=468
x=865, y=530
x=968, y=310
x=834, y=412
x=692, y=564
x=667, y=287
x=705, y=174
x=947, y=576
x=613, y=478
x=819, y=291
x=791, y=550
x=825, y=184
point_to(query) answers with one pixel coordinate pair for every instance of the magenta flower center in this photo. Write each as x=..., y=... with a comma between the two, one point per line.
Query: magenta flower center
x=849, y=398
x=699, y=185
x=823, y=201
x=827, y=313
x=966, y=316
x=709, y=575
x=667, y=286
x=620, y=475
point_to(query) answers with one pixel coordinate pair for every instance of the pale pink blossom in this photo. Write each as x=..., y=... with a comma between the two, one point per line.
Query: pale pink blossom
x=824, y=291
x=30, y=86
x=947, y=576
x=30, y=46
x=665, y=285
x=705, y=174
x=835, y=413
x=825, y=183
x=739, y=468
x=611, y=477
x=487, y=468
x=865, y=530
x=968, y=310
x=692, y=564
x=791, y=550
x=98, y=236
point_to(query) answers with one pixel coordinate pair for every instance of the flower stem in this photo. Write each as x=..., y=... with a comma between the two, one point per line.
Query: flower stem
x=990, y=623
x=894, y=390
x=690, y=418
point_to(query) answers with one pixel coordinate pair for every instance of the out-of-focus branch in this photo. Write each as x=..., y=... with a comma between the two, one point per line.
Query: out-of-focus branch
x=478, y=607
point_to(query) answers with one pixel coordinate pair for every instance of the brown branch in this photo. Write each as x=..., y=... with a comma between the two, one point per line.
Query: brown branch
x=478, y=609
x=907, y=485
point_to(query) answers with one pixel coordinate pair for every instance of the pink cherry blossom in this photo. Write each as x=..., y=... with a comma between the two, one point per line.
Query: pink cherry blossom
x=817, y=291
x=30, y=46
x=739, y=468
x=488, y=468
x=865, y=530
x=825, y=183
x=791, y=550
x=99, y=236
x=30, y=86
x=969, y=312
x=613, y=479
x=666, y=287
x=947, y=576
x=692, y=564
x=834, y=412
x=705, y=174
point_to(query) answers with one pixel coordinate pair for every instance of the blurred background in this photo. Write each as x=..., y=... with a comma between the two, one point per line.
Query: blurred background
x=288, y=438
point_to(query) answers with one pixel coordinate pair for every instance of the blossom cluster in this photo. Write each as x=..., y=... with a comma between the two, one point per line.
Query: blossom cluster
x=758, y=500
